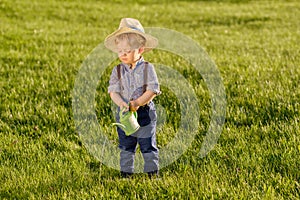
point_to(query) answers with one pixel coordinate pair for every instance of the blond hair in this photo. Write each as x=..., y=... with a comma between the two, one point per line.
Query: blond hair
x=134, y=40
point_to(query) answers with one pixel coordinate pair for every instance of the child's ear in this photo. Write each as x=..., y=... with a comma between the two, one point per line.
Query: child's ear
x=141, y=50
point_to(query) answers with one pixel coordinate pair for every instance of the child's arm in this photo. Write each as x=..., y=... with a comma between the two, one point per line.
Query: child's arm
x=117, y=99
x=142, y=100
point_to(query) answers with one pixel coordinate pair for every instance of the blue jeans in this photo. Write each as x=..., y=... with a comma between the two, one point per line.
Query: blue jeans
x=146, y=138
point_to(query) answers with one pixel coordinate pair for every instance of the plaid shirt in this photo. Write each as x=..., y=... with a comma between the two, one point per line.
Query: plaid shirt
x=130, y=85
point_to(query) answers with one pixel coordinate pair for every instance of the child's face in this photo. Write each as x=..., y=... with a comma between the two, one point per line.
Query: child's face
x=126, y=54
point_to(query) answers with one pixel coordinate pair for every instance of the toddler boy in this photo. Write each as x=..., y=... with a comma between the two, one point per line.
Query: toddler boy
x=133, y=84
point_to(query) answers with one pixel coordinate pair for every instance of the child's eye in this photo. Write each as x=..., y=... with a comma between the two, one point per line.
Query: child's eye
x=124, y=51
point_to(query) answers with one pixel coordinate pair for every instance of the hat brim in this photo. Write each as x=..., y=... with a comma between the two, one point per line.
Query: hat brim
x=151, y=42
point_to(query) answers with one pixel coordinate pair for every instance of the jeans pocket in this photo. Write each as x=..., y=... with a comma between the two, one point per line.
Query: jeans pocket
x=143, y=116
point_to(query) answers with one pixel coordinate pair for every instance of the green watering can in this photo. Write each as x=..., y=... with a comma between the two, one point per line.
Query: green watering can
x=128, y=122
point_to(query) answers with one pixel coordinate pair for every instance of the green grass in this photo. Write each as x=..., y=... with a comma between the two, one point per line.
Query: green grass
x=255, y=45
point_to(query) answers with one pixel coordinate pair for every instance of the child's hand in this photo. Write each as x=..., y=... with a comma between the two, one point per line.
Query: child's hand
x=133, y=106
x=124, y=105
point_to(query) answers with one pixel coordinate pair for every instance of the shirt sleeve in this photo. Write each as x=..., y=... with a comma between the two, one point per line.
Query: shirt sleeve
x=152, y=80
x=114, y=82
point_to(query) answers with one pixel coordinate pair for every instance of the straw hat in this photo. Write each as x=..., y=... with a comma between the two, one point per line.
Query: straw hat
x=130, y=25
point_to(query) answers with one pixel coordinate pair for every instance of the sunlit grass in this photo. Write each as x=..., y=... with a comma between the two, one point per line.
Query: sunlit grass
x=256, y=48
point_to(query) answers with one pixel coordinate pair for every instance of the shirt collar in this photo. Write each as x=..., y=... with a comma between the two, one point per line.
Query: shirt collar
x=139, y=62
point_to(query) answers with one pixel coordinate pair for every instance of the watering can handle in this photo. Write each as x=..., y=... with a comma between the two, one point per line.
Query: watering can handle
x=121, y=112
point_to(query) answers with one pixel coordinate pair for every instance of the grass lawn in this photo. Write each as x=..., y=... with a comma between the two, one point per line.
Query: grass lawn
x=254, y=44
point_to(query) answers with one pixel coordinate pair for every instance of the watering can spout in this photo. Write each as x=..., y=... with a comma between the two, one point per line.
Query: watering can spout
x=122, y=126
